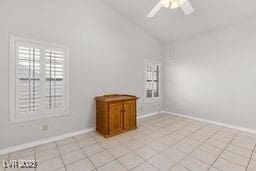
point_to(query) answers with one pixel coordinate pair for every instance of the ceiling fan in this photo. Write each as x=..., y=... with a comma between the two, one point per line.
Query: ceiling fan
x=172, y=4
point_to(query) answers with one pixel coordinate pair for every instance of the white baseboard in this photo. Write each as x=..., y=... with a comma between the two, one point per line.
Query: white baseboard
x=52, y=139
x=213, y=122
x=44, y=141
x=147, y=115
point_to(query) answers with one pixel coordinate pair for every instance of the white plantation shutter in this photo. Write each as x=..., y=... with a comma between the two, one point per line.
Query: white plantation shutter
x=155, y=80
x=54, y=75
x=27, y=79
x=152, y=80
x=39, y=80
x=149, y=83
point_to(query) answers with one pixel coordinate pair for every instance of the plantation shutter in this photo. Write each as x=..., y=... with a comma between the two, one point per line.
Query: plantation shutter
x=149, y=83
x=27, y=79
x=156, y=80
x=152, y=80
x=54, y=77
x=38, y=79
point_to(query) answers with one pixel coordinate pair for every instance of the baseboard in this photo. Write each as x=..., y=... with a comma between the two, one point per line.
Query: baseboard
x=44, y=141
x=52, y=139
x=147, y=115
x=213, y=122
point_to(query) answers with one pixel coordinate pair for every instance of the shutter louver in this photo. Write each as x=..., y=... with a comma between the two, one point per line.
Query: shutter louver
x=38, y=79
x=27, y=79
x=54, y=75
x=156, y=81
x=152, y=80
x=149, y=83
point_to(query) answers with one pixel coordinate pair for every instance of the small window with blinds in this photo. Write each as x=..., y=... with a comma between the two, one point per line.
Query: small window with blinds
x=38, y=80
x=152, y=80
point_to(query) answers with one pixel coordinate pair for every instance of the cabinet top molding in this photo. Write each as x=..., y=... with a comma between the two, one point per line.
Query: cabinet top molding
x=115, y=97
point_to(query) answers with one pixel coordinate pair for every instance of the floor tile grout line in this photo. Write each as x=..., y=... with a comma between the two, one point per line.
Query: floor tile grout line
x=98, y=143
x=130, y=151
x=236, y=153
x=172, y=144
x=114, y=159
x=160, y=126
x=212, y=165
x=76, y=160
x=76, y=142
x=80, y=147
x=173, y=138
x=241, y=148
x=178, y=140
x=178, y=163
x=61, y=157
x=254, y=148
x=131, y=137
x=152, y=117
x=133, y=151
x=50, y=157
x=147, y=163
x=107, y=150
x=147, y=160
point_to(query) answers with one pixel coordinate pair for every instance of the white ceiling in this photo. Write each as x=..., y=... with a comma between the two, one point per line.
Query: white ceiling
x=209, y=14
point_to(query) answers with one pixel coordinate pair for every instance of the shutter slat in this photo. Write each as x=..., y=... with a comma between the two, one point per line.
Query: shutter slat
x=28, y=79
x=39, y=78
x=54, y=63
x=152, y=80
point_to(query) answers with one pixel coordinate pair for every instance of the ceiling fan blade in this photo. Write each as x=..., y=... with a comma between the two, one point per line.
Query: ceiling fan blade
x=155, y=10
x=187, y=8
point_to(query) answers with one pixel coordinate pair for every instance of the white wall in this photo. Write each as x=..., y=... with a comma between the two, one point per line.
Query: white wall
x=106, y=56
x=214, y=76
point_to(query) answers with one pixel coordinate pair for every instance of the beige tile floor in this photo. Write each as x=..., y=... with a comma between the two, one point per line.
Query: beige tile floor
x=161, y=142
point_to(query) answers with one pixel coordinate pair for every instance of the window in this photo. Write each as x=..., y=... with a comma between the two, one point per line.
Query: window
x=152, y=80
x=38, y=77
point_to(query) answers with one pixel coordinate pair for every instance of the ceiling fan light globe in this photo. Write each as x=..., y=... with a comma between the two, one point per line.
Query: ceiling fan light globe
x=165, y=3
x=177, y=3
x=174, y=5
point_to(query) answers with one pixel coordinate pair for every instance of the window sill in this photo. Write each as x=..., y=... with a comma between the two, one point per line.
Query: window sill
x=36, y=117
x=153, y=99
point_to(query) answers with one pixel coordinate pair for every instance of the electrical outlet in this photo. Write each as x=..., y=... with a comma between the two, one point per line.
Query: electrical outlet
x=45, y=127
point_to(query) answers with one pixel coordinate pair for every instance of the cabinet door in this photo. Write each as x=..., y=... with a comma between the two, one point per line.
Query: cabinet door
x=129, y=114
x=115, y=117
x=101, y=117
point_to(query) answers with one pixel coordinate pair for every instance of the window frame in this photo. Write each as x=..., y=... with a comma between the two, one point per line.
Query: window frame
x=15, y=117
x=154, y=63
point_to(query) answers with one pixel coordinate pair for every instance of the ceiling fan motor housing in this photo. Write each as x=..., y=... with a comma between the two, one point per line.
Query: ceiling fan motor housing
x=172, y=3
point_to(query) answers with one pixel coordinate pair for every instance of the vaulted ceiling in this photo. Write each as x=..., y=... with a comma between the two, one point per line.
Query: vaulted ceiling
x=208, y=15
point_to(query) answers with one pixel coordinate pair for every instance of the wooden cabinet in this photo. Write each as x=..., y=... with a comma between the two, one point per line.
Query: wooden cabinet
x=115, y=114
